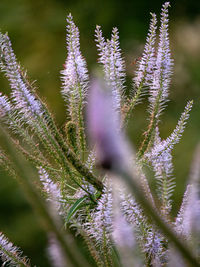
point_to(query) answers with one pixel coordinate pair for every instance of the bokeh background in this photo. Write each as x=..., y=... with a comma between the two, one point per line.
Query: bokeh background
x=37, y=31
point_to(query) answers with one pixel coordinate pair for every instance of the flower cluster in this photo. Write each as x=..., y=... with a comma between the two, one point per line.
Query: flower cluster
x=122, y=222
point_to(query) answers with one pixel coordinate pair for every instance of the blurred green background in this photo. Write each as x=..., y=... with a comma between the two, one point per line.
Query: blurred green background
x=37, y=31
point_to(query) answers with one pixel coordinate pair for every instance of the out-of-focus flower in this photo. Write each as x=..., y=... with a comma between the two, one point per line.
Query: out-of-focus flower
x=104, y=127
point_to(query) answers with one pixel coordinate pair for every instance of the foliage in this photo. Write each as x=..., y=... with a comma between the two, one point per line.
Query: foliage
x=121, y=221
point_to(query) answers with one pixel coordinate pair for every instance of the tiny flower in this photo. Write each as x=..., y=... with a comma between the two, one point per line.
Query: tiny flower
x=75, y=74
x=161, y=75
x=25, y=101
x=100, y=225
x=53, y=192
x=147, y=62
x=5, y=106
x=113, y=64
x=10, y=254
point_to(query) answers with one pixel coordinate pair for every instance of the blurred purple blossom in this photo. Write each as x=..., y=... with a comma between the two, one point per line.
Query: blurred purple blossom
x=104, y=127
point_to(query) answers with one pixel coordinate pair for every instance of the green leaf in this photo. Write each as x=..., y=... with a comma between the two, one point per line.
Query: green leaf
x=78, y=204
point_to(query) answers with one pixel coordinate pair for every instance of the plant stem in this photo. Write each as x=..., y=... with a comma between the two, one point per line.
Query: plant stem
x=69, y=247
x=151, y=213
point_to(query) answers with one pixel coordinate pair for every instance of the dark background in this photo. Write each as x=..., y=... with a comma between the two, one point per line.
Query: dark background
x=37, y=31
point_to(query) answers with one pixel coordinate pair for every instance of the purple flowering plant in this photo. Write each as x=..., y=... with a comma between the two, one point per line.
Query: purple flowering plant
x=100, y=189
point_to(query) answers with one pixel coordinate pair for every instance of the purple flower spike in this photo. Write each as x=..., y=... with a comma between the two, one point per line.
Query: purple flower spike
x=104, y=127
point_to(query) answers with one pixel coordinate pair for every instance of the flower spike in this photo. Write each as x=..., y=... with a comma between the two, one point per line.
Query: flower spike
x=113, y=64
x=10, y=254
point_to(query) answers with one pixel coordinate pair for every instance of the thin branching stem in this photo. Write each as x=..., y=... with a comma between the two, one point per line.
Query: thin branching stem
x=70, y=249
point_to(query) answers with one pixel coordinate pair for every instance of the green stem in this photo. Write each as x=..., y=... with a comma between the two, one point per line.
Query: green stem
x=132, y=104
x=151, y=127
x=19, y=262
x=71, y=156
x=27, y=138
x=38, y=162
x=105, y=250
x=81, y=124
x=70, y=249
